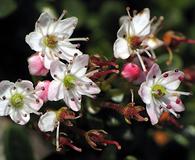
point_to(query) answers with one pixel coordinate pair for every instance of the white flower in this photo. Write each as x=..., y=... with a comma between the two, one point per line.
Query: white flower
x=70, y=82
x=52, y=38
x=18, y=100
x=48, y=121
x=135, y=36
x=159, y=92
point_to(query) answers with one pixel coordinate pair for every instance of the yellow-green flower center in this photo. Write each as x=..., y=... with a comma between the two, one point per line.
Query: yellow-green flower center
x=158, y=91
x=69, y=81
x=50, y=41
x=17, y=100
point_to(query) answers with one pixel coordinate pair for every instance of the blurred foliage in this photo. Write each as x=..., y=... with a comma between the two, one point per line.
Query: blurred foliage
x=7, y=7
x=17, y=145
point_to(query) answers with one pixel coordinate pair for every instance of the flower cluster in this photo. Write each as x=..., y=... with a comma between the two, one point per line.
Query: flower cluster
x=76, y=75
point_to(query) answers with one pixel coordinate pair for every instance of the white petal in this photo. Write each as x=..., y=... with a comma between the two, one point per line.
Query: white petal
x=55, y=91
x=153, y=112
x=47, y=60
x=4, y=109
x=152, y=42
x=80, y=64
x=72, y=100
x=47, y=122
x=126, y=28
x=58, y=69
x=171, y=79
x=42, y=24
x=123, y=19
x=121, y=49
x=24, y=84
x=34, y=41
x=153, y=74
x=66, y=26
x=140, y=23
x=145, y=93
x=68, y=50
x=5, y=87
x=20, y=116
x=32, y=104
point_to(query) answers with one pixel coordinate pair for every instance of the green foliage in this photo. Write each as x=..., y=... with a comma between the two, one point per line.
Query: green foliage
x=17, y=145
x=7, y=7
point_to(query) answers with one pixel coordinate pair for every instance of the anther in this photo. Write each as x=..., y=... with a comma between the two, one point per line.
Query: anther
x=37, y=101
x=19, y=80
x=60, y=52
x=3, y=97
x=154, y=76
x=72, y=99
x=42, y=88
x=165, y=75
x=76, y=54
x=177, y=70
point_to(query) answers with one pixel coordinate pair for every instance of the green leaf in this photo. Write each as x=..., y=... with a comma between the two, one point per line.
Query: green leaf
x=17, y=145
x=75, y=8
x=130, y=158
x=176, y=62
x=7, y=7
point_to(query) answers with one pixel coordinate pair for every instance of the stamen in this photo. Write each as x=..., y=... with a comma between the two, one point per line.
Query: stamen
x=132, y=96
x=178, y=93
x=141, y=61
x=57, y=137
x=169, y=61
x=62, y=15
x=148, y=53
x=150, y=22
x=79, y=39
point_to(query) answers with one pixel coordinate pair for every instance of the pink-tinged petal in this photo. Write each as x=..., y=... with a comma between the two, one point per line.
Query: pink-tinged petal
x=145, y=93
x=141, y=21
x=66, y=26
x=131, y=71
x=58, y=70
x=20, y=116
x=79, y=66
x=5, y=87
x=121, y=49
x=176, y=103
x=68, y=50
x=153, y=74
x=4, y=109
x=36, y=65
x=171, y=79
x=43, y=23
x=56, y=91
x=34, y=41
x=47, y=122
x=42, y=90
x=72, y=100
x=153, y=112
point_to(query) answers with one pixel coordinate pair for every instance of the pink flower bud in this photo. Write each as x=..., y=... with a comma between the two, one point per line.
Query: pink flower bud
x=36, y=66
x=131, y=71
x=42, y=90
